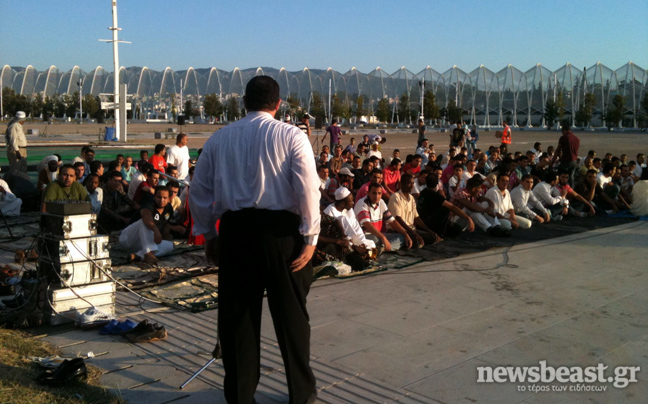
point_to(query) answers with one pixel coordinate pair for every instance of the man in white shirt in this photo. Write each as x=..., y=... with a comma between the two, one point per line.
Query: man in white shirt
x=556, y=204
x=503, y=206
x=16, y=143
x=342, y=210
x=258, y=176
x=423, y=151
x=178, y=155
x=524, y=201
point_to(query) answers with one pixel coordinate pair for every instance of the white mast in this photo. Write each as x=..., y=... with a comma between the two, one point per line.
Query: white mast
x=115, y=41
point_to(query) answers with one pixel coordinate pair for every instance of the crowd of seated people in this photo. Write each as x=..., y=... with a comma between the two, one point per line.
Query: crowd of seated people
x=145, y=202
x=432, y=196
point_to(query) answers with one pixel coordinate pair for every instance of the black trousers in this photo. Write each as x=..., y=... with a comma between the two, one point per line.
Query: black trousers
x=256, y=249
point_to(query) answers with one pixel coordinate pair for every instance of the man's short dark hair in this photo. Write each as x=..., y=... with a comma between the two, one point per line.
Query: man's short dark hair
x=536, y=144
x=114, y=174
x=395, y=162
x=502, y=174
x=143, y=152
x=334, y=121
x=79, y=164
x=94, y=166
x=596, y=160
x=608, y=167
x=65, y=167
x=119, y=155
x=376, y=171
x=159, y=147
x=374, y=185
x=406, y=178
x=550, y=177
x=458, y=165
x=432, y=181
x=180, y=136
x=474, y=181
x=526, y=177
x=366, y=162
x=173, y=184
x=397, y=150
x=591, y=171
x=161, y=188
x=170, y=168
x=261, y=94
x=85, y=148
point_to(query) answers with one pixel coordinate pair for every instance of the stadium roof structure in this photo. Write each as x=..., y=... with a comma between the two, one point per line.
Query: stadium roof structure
x=486, y=96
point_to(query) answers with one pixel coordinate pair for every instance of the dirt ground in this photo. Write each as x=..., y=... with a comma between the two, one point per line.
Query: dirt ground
x=615, y=142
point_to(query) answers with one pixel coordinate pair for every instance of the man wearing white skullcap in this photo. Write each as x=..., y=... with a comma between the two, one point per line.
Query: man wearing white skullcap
x=342, y=210
x=16, y=143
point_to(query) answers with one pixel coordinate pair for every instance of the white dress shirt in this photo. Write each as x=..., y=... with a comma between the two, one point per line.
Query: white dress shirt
x=256, y=162
x=524, y=201
x=179, y=157
x=543, y=193
x=501, y=202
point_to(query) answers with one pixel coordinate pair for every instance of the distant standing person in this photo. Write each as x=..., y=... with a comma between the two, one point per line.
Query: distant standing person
x=178, y=155
x=304, y=125
x=421, y=132
x=506, y=138
x=17, y=143
x=335, y=132
x=567, y=152
x=472, y=143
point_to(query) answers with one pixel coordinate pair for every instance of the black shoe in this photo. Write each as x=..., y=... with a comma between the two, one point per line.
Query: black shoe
x=153, y=333
x=143, y=325
x=69, y=371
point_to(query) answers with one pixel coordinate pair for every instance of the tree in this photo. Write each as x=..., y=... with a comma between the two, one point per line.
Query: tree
x=48, y=108
x=404, y=110
x=232, y=109
x=213, y=105
x=189, y=109
x=382, y=110
x=584, y=113
x=615, y=114
x=71, y=104
x=36, y=106
x=338, y=108
x=644, y=105
x=554, y=110
x=430, y=108
x=293, y=104
x=317, y=106
x=452, y=112
x=360, y=109
x=90, y=105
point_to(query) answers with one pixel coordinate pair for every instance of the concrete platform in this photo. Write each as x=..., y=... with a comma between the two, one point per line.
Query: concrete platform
x=418, y=335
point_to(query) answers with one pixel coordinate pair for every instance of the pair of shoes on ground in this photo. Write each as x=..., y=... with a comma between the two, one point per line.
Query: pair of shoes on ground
x=497, y=231
x=116, y=327
x=145, y=332
x=67, y=372
x=92, y=318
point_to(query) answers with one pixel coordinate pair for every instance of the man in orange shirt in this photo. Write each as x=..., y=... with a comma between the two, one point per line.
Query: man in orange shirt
x=506, y=137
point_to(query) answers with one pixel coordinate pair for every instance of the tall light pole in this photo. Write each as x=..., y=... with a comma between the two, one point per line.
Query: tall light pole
x=80, y=84
x=115, y=41
x=422, y=83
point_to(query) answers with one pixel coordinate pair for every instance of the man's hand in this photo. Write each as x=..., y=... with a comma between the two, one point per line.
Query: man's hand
x=408, y=242
x=592, y=211
x=419, y=240
x=490, y=212
x=563, y=192
x=437, y=238
x=471, y=225
x=539, y=219
x=344, y=243
x=18, y=156
x=387, y=244
x=157, y=237
x=547, y=217
x=303, y=258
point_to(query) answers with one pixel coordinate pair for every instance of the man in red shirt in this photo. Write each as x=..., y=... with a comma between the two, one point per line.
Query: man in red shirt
x=567, y=152
x=158, y=160
x=414, y=167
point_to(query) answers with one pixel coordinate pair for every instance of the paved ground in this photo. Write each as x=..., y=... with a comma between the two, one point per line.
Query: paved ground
x=627, y=141
x=418, y=335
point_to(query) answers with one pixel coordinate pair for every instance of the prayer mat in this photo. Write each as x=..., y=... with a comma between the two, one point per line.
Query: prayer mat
x=478, y=241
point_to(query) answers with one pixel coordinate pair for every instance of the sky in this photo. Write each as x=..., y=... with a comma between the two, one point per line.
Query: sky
x=318, y=35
